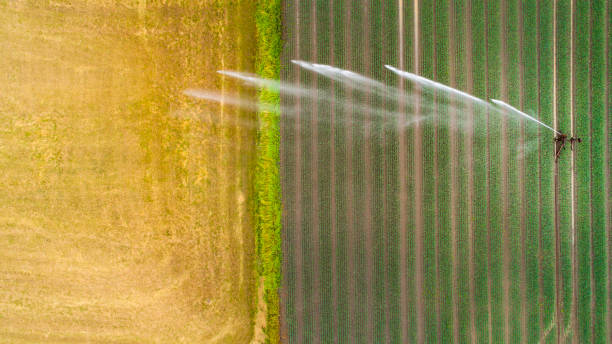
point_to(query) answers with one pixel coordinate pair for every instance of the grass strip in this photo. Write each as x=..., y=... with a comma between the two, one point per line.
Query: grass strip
x=267, y=181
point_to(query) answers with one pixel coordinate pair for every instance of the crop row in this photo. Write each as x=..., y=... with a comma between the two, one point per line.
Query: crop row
x=497, y=254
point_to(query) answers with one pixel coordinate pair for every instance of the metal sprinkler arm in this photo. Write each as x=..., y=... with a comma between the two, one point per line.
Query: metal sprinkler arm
x=560, y=144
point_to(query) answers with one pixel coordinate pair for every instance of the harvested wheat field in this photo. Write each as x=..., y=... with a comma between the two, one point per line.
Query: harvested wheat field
x=124, y=205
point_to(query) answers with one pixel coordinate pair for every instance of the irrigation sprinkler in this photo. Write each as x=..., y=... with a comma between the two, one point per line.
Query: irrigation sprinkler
x=365, y=84
x=560, y=140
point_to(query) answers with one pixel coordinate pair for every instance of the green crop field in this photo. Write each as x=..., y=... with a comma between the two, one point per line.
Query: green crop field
x=461, y=227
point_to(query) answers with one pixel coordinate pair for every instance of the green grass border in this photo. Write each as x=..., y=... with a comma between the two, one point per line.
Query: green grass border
x=267, y=182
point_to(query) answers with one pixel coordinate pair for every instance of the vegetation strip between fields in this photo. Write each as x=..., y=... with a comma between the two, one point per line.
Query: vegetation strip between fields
x=267, y=182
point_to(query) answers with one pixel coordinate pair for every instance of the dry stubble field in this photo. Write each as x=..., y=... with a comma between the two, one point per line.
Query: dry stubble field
x=124, y=212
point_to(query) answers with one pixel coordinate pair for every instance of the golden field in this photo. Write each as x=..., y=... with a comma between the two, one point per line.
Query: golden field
x=125, y=207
